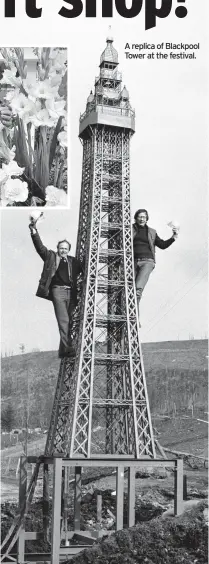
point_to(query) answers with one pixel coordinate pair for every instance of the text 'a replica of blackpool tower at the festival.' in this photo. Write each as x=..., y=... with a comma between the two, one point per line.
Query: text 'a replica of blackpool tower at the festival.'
x=102, y=406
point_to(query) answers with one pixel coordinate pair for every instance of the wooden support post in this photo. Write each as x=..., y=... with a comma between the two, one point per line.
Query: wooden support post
x=66, y=500
x=185, y=487
x=99, y=508
x=56, y=510
x=46, y=501
x=178, y=487
x=119, y=497
x=22, y=502
x=77, y=499
x=22, y=481
x=131, y=496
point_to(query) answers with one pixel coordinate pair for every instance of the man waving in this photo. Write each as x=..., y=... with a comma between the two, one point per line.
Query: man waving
x=145, y=239
x=58, y=283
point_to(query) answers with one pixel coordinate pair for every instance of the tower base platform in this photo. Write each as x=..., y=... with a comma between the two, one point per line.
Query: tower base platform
x=66, y=474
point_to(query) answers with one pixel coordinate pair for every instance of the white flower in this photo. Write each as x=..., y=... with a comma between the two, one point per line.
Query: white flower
x=62, y=138
x=55, y=79
x=56, y=108
x=43, y=90
x=9, y=77
x=28, y=86
x=24, y=107
x=42, y=118
x=12, y=169
x=64, y=123
x=14, y=190
x=12, y=94
x=36, y=216
x=174, y=225
x=59, y=59
x=55, y=196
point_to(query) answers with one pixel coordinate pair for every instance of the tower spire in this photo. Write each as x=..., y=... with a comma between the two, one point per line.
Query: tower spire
x=109, y=36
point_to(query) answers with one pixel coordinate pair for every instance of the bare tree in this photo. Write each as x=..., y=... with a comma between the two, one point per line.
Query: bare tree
x=7, y=418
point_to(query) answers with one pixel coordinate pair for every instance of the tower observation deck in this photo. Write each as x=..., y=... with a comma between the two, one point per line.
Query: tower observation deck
x=109, y=105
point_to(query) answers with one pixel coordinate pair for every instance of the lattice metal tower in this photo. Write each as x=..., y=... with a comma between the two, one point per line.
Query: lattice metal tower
x=101, y=404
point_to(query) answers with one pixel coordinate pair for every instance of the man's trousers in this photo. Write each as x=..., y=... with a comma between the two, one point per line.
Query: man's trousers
x=61, y=296
x=143, y=269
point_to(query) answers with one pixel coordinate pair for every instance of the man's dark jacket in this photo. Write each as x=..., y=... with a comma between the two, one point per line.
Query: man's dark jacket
x=154, y=239
x=51, y=261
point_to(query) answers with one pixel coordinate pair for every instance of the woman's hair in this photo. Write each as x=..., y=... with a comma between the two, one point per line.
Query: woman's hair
x=140, y=211
x=64, y=241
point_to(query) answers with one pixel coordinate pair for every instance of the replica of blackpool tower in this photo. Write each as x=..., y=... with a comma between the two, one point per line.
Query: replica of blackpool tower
x=101, y=405
x=100, y=416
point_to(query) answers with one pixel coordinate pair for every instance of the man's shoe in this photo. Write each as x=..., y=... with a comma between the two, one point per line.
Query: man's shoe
x=61, y=355
x=70, y=352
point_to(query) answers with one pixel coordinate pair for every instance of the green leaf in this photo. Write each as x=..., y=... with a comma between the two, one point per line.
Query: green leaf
x=21, y=147
x=54, y=141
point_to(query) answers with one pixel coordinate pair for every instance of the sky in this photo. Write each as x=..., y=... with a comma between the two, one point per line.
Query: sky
x=169, y=153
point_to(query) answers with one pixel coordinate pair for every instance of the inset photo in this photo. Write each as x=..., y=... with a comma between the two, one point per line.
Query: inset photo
x=33, y=126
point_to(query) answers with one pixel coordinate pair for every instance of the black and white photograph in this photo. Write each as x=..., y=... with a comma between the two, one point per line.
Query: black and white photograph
x=104, y=339
x=33, y=126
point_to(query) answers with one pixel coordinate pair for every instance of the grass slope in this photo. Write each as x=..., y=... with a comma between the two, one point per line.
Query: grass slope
x=176, y=374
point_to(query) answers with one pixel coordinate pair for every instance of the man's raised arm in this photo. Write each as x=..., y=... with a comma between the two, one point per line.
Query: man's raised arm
x=40, y=248
x=164, y=244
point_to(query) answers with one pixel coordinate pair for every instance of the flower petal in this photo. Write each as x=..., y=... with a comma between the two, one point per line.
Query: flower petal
x=55, y=196
x=15, y=190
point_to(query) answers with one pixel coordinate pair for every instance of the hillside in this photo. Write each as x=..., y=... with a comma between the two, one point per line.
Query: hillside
x=191, y=354
x=176, y=377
